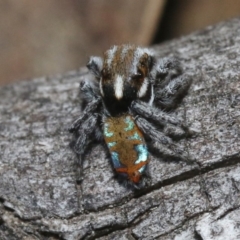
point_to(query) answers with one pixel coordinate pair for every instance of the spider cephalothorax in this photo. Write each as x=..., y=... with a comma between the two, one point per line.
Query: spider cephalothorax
x=123, y=76
x=121, y=108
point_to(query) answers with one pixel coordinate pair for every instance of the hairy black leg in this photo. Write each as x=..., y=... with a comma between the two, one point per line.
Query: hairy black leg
x=170, y=95
x=176, y=132
x=164, y=70
x=84, y=133
x=89, y=90
x=161, y=142
x=94, y=101
x=89, y=110
x=172, y=126
x=155, y=114
x=79, y=172
x=84, y=139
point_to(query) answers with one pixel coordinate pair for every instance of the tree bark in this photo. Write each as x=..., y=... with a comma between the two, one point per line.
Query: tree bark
x=39, y=197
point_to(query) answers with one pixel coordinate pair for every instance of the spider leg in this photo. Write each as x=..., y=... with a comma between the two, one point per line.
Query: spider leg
x=79, y=172
x=87, y=128
x=161, y=142
x=88, y=92
x=88, y=111
x=154, y=113
x=172, y=126
x=164, y=70
x=169, y=96
x=84, y=139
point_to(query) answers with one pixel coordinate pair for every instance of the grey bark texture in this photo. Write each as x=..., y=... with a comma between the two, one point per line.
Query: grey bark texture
x=39, y=197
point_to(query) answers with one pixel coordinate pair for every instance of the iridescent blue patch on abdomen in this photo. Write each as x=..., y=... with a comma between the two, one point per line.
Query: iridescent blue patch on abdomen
x=106, y=132
x=111, y=144
x=115, y=160
x=142, y=153
x=130, y=124
x=142, y=156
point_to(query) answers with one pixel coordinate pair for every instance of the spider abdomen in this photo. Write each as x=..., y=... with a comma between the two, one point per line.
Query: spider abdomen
x=127, y=146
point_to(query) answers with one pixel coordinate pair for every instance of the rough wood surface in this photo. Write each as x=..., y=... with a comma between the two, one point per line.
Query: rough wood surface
x=39, y=197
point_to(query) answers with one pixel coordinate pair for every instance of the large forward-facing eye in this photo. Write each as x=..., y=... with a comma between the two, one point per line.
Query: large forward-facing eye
x=137, y=78
x=106, y=75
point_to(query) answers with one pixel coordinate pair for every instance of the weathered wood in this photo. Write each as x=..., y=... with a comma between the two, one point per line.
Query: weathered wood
x=39, y=197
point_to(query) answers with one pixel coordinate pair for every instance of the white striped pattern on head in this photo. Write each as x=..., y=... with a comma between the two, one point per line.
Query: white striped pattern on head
x=125, y=51
x=118, y=87
x=110, y=54
x=143, y=89
x=101, y=88
x=137, y=55
x=152, y=96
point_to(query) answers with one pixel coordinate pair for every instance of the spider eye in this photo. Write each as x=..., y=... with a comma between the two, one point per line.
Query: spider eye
x=137, y=76
x=137, y=79
x=105, y=74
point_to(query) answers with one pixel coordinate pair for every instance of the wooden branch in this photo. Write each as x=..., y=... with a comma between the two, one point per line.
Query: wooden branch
x=39, y=197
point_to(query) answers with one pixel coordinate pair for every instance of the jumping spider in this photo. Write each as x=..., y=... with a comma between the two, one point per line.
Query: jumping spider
x=127, y=107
